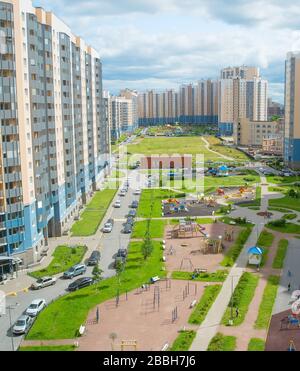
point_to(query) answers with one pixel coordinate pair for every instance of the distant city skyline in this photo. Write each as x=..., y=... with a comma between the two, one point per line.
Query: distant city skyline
x=161, y=44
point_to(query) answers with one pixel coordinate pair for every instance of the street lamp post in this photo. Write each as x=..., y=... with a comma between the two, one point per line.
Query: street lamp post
x=10, y=308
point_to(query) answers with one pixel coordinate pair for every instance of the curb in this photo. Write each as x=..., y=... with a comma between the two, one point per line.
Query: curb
x=15, y=293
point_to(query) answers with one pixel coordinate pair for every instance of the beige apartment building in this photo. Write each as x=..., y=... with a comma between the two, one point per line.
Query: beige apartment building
x=260, y=134
x=242, y=94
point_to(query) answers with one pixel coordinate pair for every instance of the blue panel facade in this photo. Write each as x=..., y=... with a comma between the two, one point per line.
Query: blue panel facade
x=225, y=128
x=185, y=120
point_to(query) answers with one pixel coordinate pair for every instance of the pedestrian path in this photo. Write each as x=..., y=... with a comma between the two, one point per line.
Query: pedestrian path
x=210, y=326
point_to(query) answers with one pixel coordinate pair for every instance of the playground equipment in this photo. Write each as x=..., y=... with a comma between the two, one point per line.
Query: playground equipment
x=296, y=308
x=213, y=246
x=188, y=229
x=292, y=347
x=129, y=344
x=229, y=234
x=186, y=265
x=221, y=192
x=174, y=315
x=295, y=295
x=156, y=297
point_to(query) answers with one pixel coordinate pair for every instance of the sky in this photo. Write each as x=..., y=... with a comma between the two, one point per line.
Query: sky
x=158, y=44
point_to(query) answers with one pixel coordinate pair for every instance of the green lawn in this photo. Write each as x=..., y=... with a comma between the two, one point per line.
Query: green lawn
x=64, y=257
x=150, y=202
x=256, y=345
x=216, y=145
x=290, y=216
x=282, y=180
x=93, y=214
x=156, y=229
x=281, y=254
x=171, y=146
x=62, y=319
x=267, y=303
x=265, y=241
x=241, y=299
x=58, y=348
x=234, y=251
x=209, y=296
x=183, y=341
x=219, y=276
x=288, y=228
x=286, y=202
x=221, y=343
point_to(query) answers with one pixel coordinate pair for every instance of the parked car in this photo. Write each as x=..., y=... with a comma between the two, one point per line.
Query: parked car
x=135, y=204
x=127, y=229
x=80, y=283
x=35, y=307
x=130, y=220
x=137, y=192
x=132, y=213
x=94, y=258
x=108, y=227
x=43, y=282
x=22, y=325
x=74, y=271
x=117, y=204
x=122, y=193
x=122, y=253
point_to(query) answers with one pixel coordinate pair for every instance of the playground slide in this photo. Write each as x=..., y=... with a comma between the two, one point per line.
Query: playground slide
x=201, y=230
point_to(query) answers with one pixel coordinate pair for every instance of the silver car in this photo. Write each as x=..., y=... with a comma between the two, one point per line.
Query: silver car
x=36, y=307
x=43, y=282
x=22, y=325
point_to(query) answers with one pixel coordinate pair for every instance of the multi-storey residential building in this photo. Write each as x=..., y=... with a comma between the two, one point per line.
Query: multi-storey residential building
x=54, y=137
x=122, y=112
x=260, y=134
x=192, y=104
x=292, y=111
x=242, y=94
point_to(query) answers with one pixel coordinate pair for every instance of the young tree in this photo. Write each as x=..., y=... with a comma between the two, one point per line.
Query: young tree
x=147, y=247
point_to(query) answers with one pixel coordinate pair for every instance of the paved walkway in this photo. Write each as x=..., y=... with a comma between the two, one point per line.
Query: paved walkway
x=210, y=326
x=207, y=146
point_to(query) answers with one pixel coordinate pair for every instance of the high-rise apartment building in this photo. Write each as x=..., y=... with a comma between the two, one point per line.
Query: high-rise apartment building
x=54, y=137
x=192, y=104
x=242, y=94
x=292, y=111
x=122, y=112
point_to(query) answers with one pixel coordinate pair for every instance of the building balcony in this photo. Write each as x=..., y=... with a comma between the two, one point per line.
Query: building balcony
x=3, y=241
x=2, y=226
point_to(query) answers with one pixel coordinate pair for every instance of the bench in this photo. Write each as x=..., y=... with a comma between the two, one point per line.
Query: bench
x=164, y=259
x=193, y=304
x=154, y=279
x=198, y=271
x=81, y=330
x=165, y=347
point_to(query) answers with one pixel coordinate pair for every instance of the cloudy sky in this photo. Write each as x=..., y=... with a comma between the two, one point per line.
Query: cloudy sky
x=162, y=43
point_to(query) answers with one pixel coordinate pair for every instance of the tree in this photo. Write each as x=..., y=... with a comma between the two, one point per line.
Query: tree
x=97, y=273
x=147, y=247
x=292, y=193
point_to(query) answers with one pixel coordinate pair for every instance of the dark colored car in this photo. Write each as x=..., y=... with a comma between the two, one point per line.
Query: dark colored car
x=132, y=213
x=122, y=253
x=94, y=258
x=127, y=229
x=80, y=283
x=130, y=220
x=134, y=205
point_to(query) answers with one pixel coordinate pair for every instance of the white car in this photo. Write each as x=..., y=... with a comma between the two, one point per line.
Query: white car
x=22, y=325
x=36, y=307
x=137, y=192
x=117, y=204
x=44, y=282
x=123, y=193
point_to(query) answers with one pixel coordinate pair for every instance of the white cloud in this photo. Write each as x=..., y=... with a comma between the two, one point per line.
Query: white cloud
x=156, y=44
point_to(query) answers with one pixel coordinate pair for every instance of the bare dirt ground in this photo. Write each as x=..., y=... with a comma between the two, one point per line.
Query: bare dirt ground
x=138, y=319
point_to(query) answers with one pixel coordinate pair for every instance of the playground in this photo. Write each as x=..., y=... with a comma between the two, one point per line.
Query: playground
x=191, y=247
x=235, y=194
x=144, y=320
x=201, y=206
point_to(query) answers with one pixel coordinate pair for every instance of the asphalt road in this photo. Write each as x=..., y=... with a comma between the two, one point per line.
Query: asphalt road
x=110, y=244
